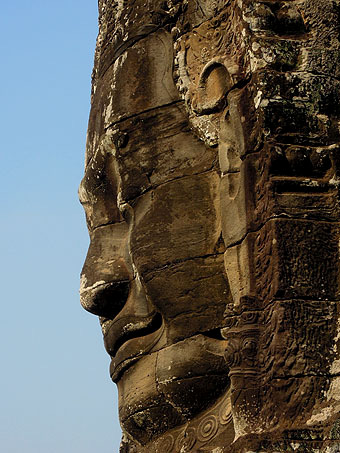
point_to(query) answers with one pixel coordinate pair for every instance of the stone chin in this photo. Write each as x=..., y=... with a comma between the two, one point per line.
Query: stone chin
x=171, y=385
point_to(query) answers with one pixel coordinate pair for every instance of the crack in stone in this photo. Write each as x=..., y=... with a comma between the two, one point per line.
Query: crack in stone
x=103, y=225
x=280, y=216
x=180, y=261
x=212, y=169
x=136, y=115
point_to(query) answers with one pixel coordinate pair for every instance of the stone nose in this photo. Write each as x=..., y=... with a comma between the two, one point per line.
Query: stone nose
x=98, y=189
x=105, y=299
x=106, y=277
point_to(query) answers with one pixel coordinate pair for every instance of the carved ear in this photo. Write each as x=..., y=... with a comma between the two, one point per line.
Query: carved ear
x=214, y=83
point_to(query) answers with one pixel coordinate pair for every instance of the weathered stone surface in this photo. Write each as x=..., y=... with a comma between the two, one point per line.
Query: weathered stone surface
x=211, y=193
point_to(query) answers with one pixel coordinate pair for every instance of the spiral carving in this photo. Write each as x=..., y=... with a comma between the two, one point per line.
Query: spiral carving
x=207, y=428
x=232, y=354
x=166, y=445
x=249, y=348
x=225, y=415
x=230, y=321
x=186, y=441
x=249, y=317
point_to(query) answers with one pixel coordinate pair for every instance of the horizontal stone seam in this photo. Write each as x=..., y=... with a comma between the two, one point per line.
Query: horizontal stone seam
x=296, y=72
x=282, y=216
x=211, y=169
x=107, y=224
x=135, y=115
x=180, y=261
x=301, y=376
x=197, y=312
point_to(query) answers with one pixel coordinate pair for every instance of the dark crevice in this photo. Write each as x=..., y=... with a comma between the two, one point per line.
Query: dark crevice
x=214, y=333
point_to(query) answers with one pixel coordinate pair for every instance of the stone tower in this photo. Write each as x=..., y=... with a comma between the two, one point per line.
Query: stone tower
x=211, y=193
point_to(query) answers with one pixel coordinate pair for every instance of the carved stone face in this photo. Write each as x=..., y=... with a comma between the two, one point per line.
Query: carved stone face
x=154, y=272
x=219, y=192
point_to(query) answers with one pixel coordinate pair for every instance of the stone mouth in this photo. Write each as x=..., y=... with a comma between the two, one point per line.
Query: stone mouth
x=136, y=328
x=132, y=348
x=130, y=338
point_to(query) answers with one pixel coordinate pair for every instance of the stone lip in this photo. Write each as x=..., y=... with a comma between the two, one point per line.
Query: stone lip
x=129, y=338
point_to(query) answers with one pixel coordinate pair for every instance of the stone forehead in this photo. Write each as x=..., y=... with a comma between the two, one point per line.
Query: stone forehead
x=123, y=23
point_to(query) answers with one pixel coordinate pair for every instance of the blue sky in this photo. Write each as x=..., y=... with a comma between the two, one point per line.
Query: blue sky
x=56, y=394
